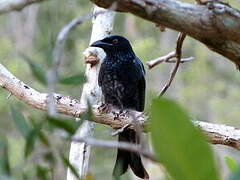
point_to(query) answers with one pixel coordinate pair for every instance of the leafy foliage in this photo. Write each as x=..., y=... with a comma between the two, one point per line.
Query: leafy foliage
x=37, y=70
x=35, y=132
x=231, y=163
x=42, y=172
x=68, y=125
x=20, y=122
x=236, y=175
x=4, y=158
x=178, y=144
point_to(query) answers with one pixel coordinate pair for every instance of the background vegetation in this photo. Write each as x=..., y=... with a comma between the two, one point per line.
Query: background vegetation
x=208, y=87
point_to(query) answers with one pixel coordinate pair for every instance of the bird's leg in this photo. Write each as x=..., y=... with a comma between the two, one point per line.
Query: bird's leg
x=104, y=108
x=122, y=112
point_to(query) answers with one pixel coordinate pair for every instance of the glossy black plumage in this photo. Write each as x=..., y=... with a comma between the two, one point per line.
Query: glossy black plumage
x=122, y=80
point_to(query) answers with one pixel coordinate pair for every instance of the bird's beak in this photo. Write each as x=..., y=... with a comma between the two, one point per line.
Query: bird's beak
x=100, y=44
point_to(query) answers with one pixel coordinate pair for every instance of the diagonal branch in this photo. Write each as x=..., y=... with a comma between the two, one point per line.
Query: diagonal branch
x=216, y=133
x=177, y=54
x=15, y=5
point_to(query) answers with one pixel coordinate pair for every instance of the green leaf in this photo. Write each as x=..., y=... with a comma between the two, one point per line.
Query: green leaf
x=50, y=158
x=73, y=80
x=4, y=158
x=37, y=70
x=20, y=122
x=231, y=163
x=68, y=125
x=42, y=172
x=25, y=176
x=30, y=142
x=179, y=145
x=69, y=165
x=32, y=137
x=44, y=139
x=236, y=175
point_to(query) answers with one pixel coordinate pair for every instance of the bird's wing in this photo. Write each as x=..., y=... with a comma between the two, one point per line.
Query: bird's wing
x=141, y=86
x=100, y=75
x=141, y=93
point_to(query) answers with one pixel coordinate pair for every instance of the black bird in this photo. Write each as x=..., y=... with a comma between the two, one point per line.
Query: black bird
x=122, y=80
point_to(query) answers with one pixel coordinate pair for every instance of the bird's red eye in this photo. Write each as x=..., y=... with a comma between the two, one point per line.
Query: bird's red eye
x=115, y=41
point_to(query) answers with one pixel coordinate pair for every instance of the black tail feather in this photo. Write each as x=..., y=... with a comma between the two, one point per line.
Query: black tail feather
x=126, y=158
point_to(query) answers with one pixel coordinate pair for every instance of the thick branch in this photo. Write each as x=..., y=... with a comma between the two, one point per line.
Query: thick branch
x=216, y=24
x=216, y=134
x=220, y=134
x=15, y=5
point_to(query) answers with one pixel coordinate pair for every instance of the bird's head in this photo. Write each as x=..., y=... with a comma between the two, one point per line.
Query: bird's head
x=113, y=43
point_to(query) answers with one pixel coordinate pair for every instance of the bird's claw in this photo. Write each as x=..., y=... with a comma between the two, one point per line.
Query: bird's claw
x=104, y=108
x=120, y=114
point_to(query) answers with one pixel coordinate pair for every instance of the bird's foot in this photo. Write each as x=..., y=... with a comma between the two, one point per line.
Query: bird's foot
x=120, y=114
x=104, y=108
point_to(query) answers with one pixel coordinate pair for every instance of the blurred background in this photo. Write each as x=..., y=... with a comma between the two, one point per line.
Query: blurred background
x=208, y=87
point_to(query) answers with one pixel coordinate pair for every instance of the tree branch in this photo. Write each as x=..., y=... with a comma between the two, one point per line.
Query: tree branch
x=220, y=134
x=215, y=24
x=216, y=133
x=116, y=144
x=178, y=55
x=15, y=5
x=79, y=156
x=168, y=58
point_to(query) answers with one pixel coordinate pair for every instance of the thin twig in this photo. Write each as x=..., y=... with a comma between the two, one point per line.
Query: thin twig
x=178, y=53
x=9, y=95
x=116, y=144
x=169, y=58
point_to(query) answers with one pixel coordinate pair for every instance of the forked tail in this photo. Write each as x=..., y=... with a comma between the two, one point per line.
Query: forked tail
x=127, y=158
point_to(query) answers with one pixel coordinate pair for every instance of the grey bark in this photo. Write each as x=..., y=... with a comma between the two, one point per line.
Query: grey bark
x=215, y=24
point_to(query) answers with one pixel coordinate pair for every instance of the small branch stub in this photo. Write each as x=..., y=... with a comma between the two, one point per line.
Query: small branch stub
x=92, y=60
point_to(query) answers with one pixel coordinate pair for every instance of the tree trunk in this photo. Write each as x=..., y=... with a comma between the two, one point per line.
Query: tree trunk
x=80, y=152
